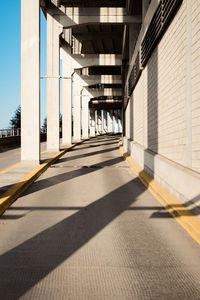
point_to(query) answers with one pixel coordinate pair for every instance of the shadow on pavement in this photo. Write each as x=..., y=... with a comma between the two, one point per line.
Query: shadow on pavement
x=27, y=264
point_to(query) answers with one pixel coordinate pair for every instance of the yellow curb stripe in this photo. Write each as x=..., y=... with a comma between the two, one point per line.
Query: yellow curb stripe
x=7, y=198
x=9, y=168
x=14, y=166
x=181, y=214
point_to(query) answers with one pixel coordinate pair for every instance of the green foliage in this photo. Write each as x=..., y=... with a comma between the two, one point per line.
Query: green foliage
x=15, y=121
x=44, y=126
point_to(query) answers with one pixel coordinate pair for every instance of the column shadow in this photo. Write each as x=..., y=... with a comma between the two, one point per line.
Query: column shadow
x=28, y=263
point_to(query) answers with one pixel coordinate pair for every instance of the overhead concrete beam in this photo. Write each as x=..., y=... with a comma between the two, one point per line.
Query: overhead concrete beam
x=101, y=79
x=69, y=17
x=104, y=92
x=97, y=36
x=92, y=3
x=88, y=60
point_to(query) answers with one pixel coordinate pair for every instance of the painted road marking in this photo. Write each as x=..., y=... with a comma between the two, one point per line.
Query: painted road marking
x=9, y=168
x=179, y=212
x=14, y=166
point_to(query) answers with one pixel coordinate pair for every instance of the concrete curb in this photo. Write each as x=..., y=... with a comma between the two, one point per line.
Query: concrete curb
x=181, y=214
x=7, y=198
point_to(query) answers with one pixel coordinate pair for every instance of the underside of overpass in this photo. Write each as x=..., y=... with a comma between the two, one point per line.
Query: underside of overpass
x=130, y=70
x=90, y=38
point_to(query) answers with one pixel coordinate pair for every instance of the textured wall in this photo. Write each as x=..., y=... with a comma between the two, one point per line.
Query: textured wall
x=195, y=86
x=166, y=100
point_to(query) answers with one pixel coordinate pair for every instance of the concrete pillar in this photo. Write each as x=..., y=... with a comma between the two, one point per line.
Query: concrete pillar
x=110, y=121
x=92, y=122
x=53, y=85
x=120, y=121
x=104, y=121
x=127, y=113
x=99, y=122
x=115, y=120
x=30, y=81
x=77, y=107
x=85, y=110
x=66, y=98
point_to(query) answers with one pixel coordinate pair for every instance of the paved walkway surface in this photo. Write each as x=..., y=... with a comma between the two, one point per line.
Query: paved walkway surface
x=12, y=156
x=88, y=229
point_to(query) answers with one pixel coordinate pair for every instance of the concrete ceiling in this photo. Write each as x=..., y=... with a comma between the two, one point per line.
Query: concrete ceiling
x=93, y=3
x=97, y=38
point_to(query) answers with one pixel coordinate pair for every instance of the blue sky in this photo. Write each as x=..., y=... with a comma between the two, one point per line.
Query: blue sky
x=10, y=61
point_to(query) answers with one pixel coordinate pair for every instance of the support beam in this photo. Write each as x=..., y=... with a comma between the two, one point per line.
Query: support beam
x=105, y=129
x=92, y=3
x=99, y=122
x=94, y=93
x=89, y=60
x=92, y=122
x=101, y=79
x=97, y=36
x=66, y=98
x=110, y=121
x=53, y=85
x=116, y=127
x=120, y=120
x=69, y=17
x=30, y=81
x=85, y=114
x=77, y=108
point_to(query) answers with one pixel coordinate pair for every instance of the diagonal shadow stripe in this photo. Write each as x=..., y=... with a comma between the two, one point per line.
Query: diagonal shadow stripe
x=25, y=265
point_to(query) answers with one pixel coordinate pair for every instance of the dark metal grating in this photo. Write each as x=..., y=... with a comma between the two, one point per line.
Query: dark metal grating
x=160, y=21
x=135, y=74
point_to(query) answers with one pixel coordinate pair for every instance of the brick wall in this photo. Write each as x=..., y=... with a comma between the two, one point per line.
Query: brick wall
x=195, y=79
x=166, y=100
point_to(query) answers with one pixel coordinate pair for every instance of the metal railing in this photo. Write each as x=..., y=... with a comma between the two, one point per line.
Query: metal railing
x=15, y=132
x=9, y=132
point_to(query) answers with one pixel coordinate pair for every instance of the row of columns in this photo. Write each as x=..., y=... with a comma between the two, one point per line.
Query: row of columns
x=75, y=98
x=107, y=121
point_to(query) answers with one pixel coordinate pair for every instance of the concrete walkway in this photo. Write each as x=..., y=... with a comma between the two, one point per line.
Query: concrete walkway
x=88, y=229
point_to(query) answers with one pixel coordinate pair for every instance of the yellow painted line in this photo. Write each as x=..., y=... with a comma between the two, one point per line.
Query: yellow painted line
x=43, y=151
x=14, y=166
x=9, y=168
x=181, y=214
x=7, y=198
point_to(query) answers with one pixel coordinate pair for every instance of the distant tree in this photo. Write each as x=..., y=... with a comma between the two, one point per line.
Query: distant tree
x=44, y=126
x=15, y=121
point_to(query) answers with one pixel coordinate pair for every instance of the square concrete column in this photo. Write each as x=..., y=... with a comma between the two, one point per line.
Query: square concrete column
x=116, y=128
x=30, y=81
x=66, y=98
x=85, y=114
x=92, y=122
x=77, y=107
x=99, y=122
x=104, y=121
x=127, y=114
x=120, y=120
x=53, y=84
x=110, y=121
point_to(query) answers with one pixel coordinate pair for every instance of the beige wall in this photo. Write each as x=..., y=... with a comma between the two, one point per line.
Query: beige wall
x=195, y=76
x=166, y=100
